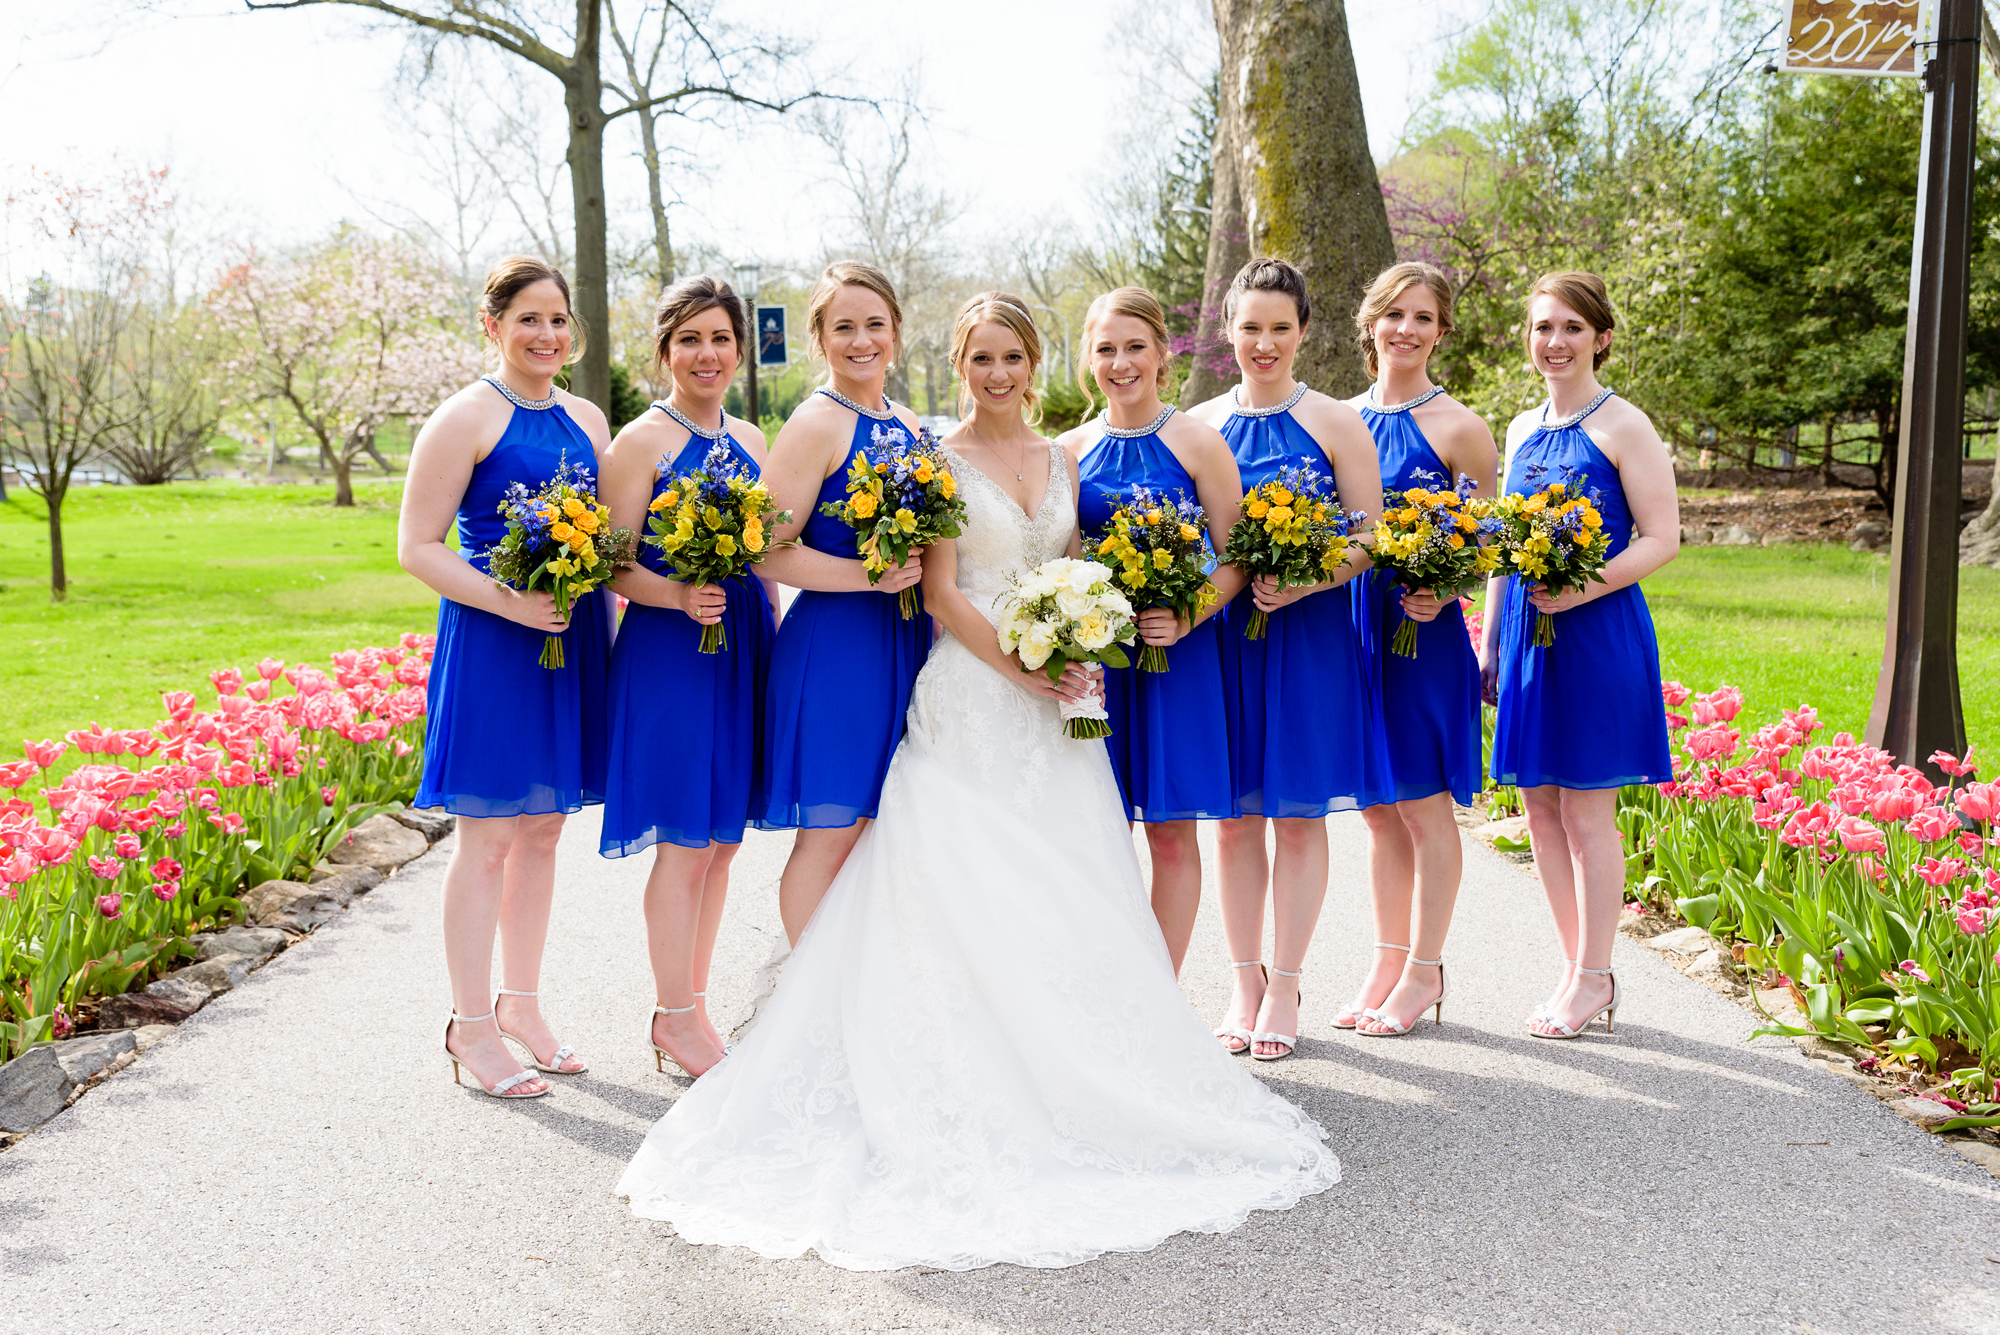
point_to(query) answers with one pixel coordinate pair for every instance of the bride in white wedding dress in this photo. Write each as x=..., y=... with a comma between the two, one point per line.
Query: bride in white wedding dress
x=979, y=1052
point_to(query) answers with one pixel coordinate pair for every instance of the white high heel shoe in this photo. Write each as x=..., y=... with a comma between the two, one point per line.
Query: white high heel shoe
x=1390, y=1029
x=1609, y=1010
x=507, y=1088
x=1355, y=1009
x=554, y=1065
x=1242, y=1036
x=1288, y=1041
x=1541, y=1012
x=660, y=1055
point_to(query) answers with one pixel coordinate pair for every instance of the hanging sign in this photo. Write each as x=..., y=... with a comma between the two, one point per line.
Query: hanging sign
x=1876, y=38
x=771, y=350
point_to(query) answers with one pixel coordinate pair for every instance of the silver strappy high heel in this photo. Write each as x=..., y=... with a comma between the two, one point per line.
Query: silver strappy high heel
x=1242, y=1036
x=554, y=1065
x=1609, y=1010
x=1390, y=1029
x=1288, y=1041
x=1355, y=1010
x=507, y=1088
x=1542, y=1012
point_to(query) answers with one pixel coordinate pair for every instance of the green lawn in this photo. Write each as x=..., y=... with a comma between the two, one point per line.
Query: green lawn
x=170, y=582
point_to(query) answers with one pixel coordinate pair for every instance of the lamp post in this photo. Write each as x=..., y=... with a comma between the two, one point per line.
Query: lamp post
x=746, y=289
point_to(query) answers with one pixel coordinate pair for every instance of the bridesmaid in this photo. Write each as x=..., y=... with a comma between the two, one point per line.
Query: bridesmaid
x=684, y=724
x=1169, y=741
x=1310, y=657
x=1431, y=702
x=512, y=746
x=1580, y=718
x=845, y=659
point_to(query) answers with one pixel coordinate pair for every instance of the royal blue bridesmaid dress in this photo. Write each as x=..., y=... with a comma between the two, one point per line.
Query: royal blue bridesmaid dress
x=1305, y=717
x=841, y=674
x=1585, y=711
x=686, y=727
x=1430, y=703
x=1169, y=739
x=507, y=736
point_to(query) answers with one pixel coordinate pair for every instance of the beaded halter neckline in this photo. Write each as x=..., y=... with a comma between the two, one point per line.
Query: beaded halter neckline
x=1407, y=404
x=1236, y=403
x=1578, y=416
x=1150, y=429
x=519, y=400
x=884, y=414
x=718, y=433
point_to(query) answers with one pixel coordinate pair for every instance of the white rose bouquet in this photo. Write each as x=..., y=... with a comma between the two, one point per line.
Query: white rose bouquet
x=1067, y=611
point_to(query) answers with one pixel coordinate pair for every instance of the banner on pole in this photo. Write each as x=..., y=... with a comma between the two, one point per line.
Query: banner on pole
x=771, y=350
x=1873, y=38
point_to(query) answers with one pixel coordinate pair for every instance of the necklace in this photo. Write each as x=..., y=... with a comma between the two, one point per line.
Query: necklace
x=1020, y=455
x=1574, y=417
x=719, y=433
x=1406, y=404
x=1128, y=432
x=1236, y=403
x=514, y=397
x=886, y=413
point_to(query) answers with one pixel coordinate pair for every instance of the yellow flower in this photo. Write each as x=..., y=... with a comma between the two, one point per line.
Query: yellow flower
x=1534, y=504
x=1152, y=516
x=753, y=537
x=590, y=558
x=1592, y=519
x=882, y=468
x=1455, y=542
x=579, y=541
x=560, y=531
x=1467, y=524
x=725, y=545
x=587, y=522
x=924, y=472
x=1280, y=495
x=1189, y=533
x=1281, y=513
x=1557, y=489
x=664, y=501
x=862, y=503
x=1319, y=514
x=906, y=521
x=573, y=507
x=1110, y=541
x=1162, y=560
x=561, y=566
x=712, y=517
x=1258, y=508
x=947, y=484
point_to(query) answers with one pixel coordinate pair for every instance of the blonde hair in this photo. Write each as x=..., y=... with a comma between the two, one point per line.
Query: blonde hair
x=1142, y=306
x=1007, y=310
x=1583, y=293
x=1390, y=284
x=506, y=281
x=850, y=273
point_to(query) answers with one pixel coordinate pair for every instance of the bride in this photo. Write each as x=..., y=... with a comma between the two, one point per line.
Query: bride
x=979, y=1052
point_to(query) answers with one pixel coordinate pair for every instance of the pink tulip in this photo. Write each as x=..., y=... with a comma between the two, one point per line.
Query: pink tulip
x=227, y=681
x=1912, y=968
x=126, y=846
x=60, y=1025
x=1675, y=722
x=1858, y=836
x=269, y=668
x=164, y=891
x=175, y=830
x=140, y=741
x=111, y=906
x=167, y=869
x=401, y=747
x=17, y=867
x=1894, y=801
x=17, y=774
x=1726, y=701
x=1978, y=801
x=1952, y=764
x=228, y=822
x=329, y=793
x=258, y=690
x=1930, y=825
x=107, y=869
x=180, y=705
x=53, y=847
x=1935, y=871
x=44, y=753
x=1808, y=826
x=1712, y=743
x=1973, y=845
x=1673, y=693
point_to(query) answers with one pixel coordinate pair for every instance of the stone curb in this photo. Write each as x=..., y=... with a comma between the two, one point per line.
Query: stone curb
x=44, y=1080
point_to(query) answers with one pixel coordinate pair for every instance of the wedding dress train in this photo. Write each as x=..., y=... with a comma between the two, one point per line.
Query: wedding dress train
x=979, y=1052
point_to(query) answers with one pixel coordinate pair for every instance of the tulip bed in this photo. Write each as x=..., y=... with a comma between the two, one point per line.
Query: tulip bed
x=1868, y=891
x=105, y=878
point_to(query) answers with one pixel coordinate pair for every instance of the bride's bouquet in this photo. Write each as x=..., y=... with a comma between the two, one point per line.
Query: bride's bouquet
x=1066, y=611
x=559, y=538
x=900, y=495
x=1432, y=539
x=1553, y=537
x=1163, y=560
x=710, y=522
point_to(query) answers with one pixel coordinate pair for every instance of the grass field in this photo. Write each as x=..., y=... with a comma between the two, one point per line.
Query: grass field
x=170, y=582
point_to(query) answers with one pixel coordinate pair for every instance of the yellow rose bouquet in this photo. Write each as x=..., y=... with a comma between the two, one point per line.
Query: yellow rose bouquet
x=1162, y=557
x=1293, y=530
x=1068, y=611
x=900, y=495
x=713, y=523
x=560, y=539
x=1434, y=539
x=1553, y=537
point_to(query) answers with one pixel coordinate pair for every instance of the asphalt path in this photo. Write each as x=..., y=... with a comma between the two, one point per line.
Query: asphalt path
x=295, y=1158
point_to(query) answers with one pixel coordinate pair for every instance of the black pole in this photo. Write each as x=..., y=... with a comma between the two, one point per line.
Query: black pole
x=756, y=347
x=1917, y=709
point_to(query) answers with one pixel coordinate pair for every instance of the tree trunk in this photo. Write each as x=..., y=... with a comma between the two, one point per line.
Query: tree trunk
x=591, y=378
x=343, y=480
x=1292, y=121
x=58, y=569
x=663, y=240
x=1210, y=369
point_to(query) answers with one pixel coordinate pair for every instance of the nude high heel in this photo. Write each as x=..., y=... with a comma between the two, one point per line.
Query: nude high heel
x=660, y=1055
x=505, y=1089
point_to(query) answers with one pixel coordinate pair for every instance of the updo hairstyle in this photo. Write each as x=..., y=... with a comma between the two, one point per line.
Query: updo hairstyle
x=1001, y=308
x=850, y=273
x=1390, y=284
x=1583, y=293
x=1141, y=305
x=1267, y=275
x=689, y=298
x=505, y=281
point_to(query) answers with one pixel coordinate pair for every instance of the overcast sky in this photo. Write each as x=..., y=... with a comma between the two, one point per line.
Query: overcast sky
x=282, y=123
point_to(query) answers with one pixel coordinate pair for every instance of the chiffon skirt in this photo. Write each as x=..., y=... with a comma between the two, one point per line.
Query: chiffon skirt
x=686, y=727
x=1169, y=739
x=1305, y=714
x=842, y=669
x=1584, y=712
x=507, y=736
x=1430, y=703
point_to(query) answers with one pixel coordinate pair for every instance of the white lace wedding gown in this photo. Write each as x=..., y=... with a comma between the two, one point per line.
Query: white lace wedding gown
x=979, y=1052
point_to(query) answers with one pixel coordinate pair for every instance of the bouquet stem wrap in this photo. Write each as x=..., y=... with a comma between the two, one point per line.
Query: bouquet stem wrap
x=552, y=652
x=1087, y=718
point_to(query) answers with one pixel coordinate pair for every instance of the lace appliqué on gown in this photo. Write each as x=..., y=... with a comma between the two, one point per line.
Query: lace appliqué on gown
x=979, y=1051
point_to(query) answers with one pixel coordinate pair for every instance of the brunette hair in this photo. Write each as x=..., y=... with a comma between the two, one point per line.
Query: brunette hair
x=689, y=298
x=1008, y=310
x=505, y=281
x=1268, y=275
x=1390, y=284
x=850, y=273
x=1583, y=293
x=1141, y=305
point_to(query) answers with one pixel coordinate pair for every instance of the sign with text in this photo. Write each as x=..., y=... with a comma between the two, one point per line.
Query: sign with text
x=771, y=350
x=1877, y=38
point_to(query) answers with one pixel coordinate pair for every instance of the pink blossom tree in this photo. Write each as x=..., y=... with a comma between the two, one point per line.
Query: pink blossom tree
x=348, y=333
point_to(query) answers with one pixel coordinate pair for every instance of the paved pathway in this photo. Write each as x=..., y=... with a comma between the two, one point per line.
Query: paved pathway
x=295, y=1159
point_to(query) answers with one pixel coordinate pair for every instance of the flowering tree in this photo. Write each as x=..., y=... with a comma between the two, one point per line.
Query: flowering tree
x=348, y=333
x=59, y=340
